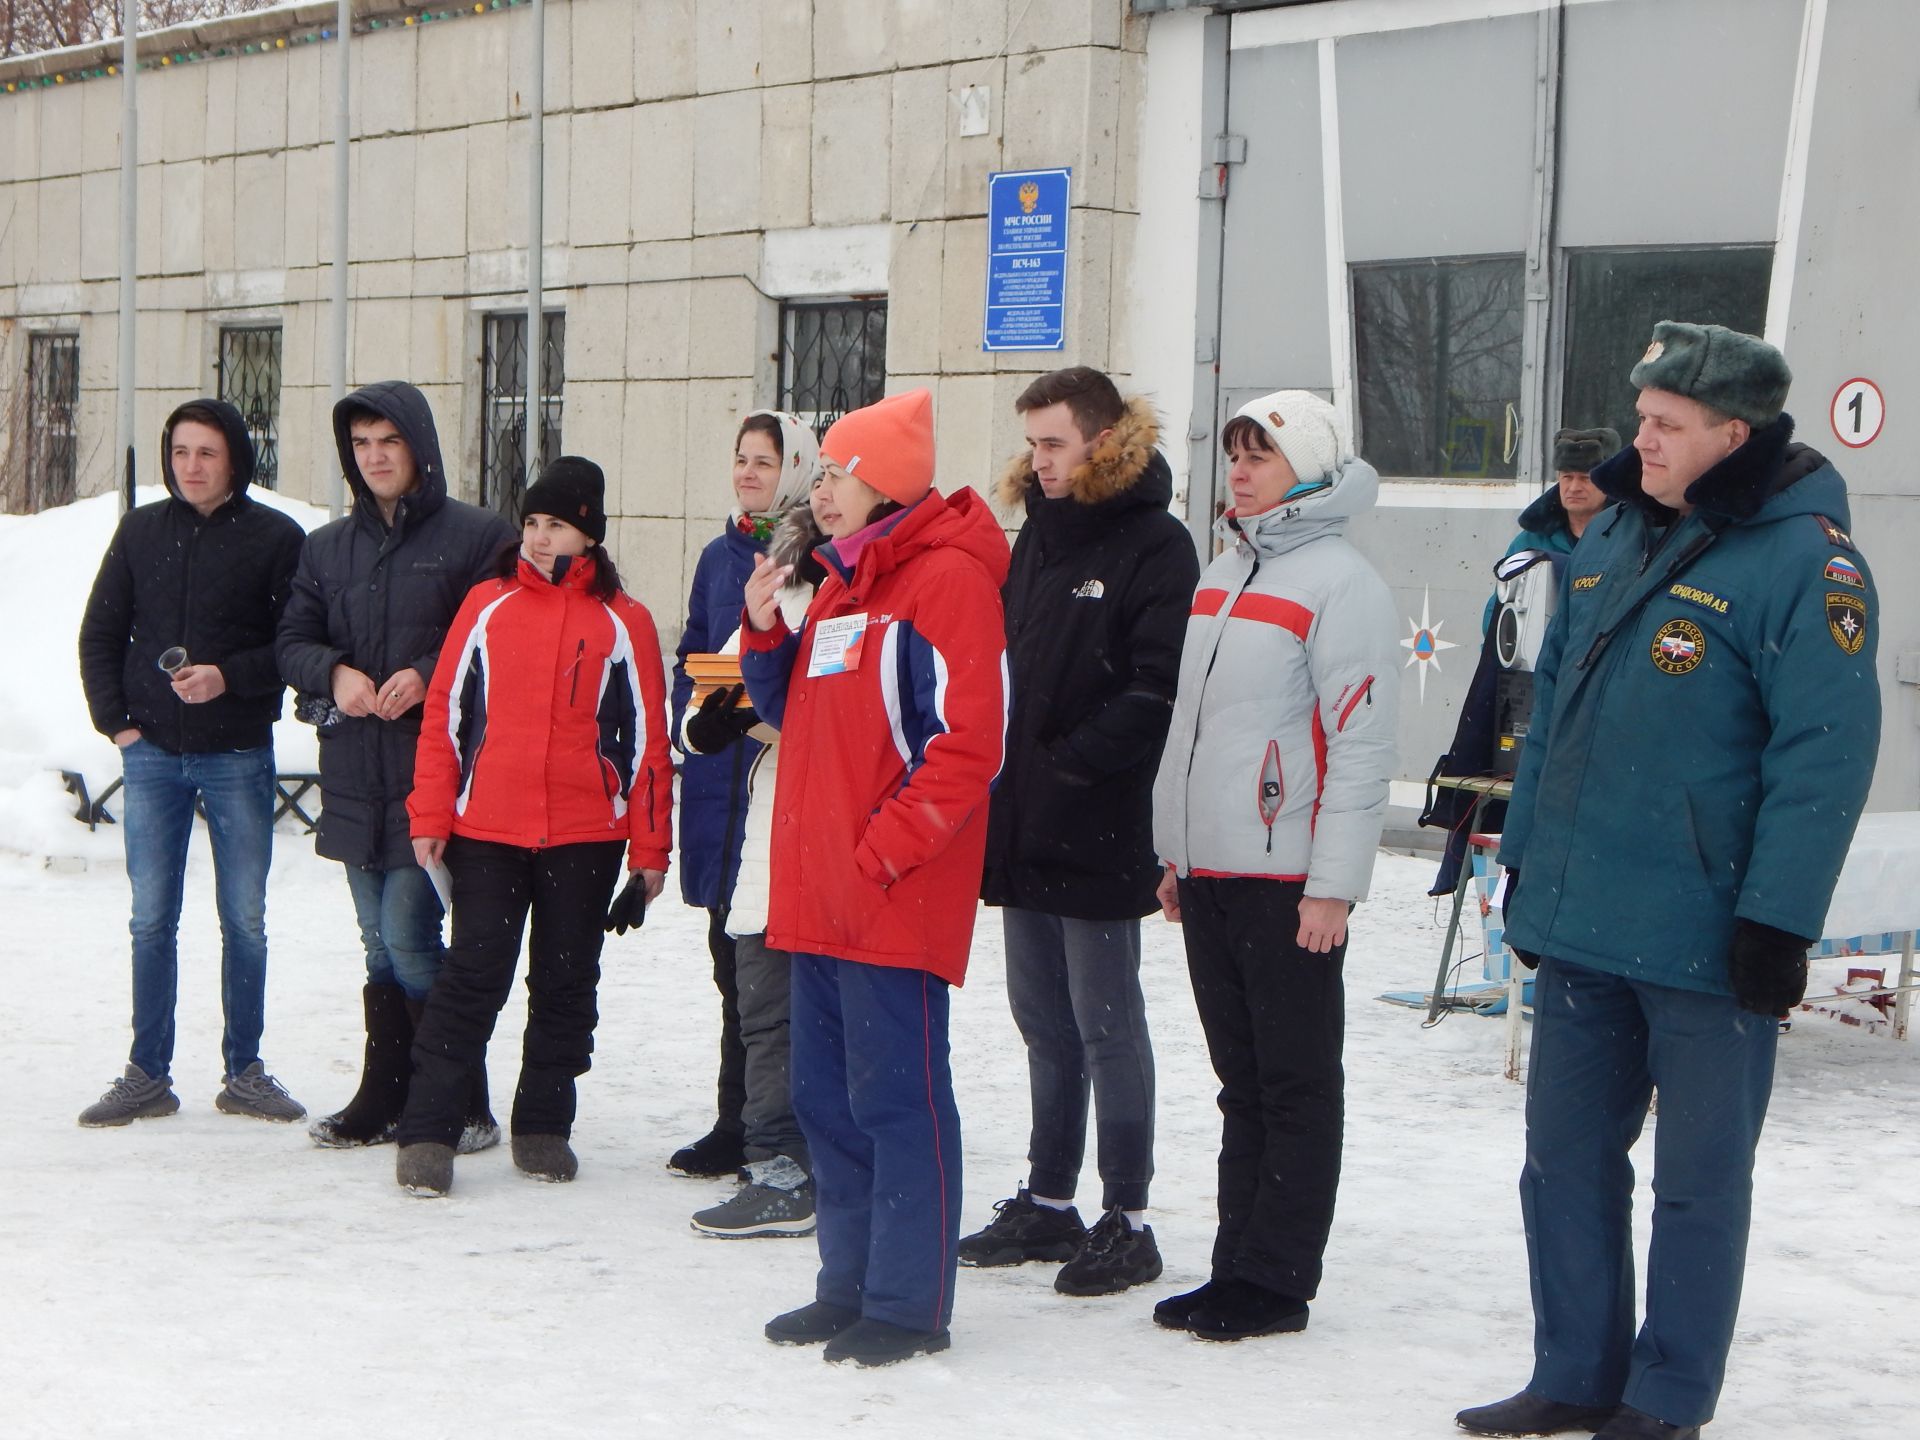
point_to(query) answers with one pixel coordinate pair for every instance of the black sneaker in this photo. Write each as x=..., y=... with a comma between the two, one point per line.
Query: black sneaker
x=716, y=1153
x=810, y=1324
x=875, y=1342
x=1115, y=1257
x=1022, y=1231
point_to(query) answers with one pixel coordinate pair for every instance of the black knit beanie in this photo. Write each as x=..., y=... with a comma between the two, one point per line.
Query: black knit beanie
x=573, y=490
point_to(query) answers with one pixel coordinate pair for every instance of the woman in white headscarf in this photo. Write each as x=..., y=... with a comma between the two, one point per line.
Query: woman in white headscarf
x=775, y=461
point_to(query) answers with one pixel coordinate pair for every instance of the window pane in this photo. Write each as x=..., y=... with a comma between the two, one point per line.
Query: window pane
x=250, y=382
x=503, y=436
x=833, y=357
x=1615, y=299
x=1438, y=349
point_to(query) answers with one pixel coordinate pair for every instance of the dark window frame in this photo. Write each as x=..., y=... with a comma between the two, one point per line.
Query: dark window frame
x=503, y=403
x=238, y=366
x=53, y=419
x=1570, y=400
x=808, y=347
x=1449, y=456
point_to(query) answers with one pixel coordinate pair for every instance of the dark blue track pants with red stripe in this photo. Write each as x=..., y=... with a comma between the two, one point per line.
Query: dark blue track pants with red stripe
x=874, y=1096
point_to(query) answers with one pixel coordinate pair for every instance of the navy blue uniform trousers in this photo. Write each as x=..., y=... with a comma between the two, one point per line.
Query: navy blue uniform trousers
x=874, y=1096
x=1602, y=1045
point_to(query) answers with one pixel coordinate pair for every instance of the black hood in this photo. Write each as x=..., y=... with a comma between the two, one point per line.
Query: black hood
x=239, y=444
x=407, y=408
x=1735, y=489
x=1071, y=519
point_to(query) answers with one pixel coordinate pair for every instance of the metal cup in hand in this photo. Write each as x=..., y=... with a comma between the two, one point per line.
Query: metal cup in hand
x=173, y=660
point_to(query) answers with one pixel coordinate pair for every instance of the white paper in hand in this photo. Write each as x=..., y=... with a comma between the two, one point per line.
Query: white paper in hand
x=442, y=880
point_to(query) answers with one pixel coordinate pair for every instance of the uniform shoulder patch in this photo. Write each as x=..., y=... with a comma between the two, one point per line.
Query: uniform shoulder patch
x=1842, y=571
x=1847, y=620
x=1835, y=535
x=1678, y=646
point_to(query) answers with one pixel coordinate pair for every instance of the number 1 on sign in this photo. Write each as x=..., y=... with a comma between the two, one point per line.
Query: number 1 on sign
x=1857, y=413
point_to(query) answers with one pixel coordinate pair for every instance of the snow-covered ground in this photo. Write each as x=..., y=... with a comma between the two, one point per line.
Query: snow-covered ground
x=207, y=1276
x=204, y=1275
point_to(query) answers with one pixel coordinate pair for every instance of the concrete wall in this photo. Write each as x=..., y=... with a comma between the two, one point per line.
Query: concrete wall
x=704, y=158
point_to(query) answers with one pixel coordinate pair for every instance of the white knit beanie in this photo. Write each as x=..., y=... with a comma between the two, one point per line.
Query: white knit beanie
x=1306, y=429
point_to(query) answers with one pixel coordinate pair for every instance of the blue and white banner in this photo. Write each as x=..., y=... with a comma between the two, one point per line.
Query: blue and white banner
x=1027, y=259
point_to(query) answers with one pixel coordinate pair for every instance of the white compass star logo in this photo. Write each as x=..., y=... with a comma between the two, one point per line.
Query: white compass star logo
x=1425, y=641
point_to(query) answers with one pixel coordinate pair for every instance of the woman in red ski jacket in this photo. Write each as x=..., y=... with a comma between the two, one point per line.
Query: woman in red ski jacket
x=542, y=760
x=891, y=702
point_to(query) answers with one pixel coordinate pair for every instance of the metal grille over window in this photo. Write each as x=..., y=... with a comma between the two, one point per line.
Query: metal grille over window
x=1438, y=349
x=250, y=382
x=503, y=438
x=833, y=357
x=1618, y=296
x=53, y=398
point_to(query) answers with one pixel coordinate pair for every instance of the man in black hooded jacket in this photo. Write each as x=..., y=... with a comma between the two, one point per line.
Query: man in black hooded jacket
x=176, y=658
x=374, y=595
x=1097, y=598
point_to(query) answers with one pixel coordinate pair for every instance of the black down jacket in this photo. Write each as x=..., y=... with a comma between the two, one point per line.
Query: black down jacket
x=1096, y=604
x=379, y=599
x=215, y=584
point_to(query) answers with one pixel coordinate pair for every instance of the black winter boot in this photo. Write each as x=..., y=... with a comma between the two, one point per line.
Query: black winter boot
x=1530, y=1414
x=370, y=1117
x=1239, y=1310
x=481, y=1131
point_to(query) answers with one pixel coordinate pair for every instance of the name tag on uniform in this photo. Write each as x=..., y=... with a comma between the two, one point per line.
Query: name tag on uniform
x=837, y=644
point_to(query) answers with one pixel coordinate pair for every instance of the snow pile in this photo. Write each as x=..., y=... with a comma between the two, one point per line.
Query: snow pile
x=47, y=565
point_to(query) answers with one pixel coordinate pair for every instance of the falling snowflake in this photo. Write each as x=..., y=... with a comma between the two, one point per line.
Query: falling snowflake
x=1425, y=642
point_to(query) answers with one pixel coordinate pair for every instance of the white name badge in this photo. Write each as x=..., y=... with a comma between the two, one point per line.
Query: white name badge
x=837, y=644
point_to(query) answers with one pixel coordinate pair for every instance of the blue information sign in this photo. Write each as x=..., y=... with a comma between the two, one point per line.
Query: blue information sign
x=1026, y=260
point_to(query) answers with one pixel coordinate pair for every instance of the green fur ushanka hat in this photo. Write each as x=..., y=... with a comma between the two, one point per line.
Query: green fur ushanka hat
x=1581, y=450
x=1738, y=375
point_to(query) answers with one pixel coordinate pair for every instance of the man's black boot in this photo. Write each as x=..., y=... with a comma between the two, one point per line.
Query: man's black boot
x=1530, y=1414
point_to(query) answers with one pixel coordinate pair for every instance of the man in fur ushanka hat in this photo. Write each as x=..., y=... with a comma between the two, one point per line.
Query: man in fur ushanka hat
x=1096, y=605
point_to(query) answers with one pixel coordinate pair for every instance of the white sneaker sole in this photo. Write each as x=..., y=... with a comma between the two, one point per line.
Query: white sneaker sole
x=771, y=1229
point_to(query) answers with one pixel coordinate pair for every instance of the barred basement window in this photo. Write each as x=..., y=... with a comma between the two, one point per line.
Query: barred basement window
x=250, y=382
x=1615, y=299
x=53, y=400
x=833, y=357
x=1437, y=347
x=503, y=434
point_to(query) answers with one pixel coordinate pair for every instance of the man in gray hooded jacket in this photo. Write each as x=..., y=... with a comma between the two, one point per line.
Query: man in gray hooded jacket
x=372, y=600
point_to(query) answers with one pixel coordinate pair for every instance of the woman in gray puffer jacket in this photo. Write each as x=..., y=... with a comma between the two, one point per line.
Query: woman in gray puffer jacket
x=1267, y=814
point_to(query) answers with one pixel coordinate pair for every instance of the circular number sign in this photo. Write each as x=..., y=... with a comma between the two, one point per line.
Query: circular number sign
x=1858, y=412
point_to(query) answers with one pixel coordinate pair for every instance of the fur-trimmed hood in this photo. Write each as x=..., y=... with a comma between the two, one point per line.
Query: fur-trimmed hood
x=1114, y=468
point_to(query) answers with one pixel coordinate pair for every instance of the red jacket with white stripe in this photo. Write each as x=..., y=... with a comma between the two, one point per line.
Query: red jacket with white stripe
x=880, y=811
x=545, y=723
x=1283, y=736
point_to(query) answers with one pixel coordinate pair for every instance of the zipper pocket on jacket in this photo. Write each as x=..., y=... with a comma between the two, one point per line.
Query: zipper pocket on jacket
x=1365, y=693
x=650, y=820
x=1272, y=791
x=579, y=658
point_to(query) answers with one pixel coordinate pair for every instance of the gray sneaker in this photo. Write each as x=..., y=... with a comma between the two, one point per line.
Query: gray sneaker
x=134, y=1096
x=776, y=1200
x=256, y=1093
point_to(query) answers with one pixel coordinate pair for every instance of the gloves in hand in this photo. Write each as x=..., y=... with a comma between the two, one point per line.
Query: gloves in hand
x=717, y=723
x=1767, y=967
x=1525, y=957
x=629, y=908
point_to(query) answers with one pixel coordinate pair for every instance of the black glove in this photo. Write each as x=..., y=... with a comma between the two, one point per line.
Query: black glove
x=629, y=908
x=1767, y=967
x=1526, y=957
x=717, y=723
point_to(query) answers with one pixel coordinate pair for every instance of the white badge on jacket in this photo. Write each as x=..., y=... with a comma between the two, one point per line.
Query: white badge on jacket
x=836, y=645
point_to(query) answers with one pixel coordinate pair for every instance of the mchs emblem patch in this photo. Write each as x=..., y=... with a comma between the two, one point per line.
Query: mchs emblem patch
x=1678, y=646
x=1847, y=620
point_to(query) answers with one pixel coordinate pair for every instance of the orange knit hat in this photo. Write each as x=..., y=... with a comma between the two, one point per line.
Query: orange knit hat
x=889, y=445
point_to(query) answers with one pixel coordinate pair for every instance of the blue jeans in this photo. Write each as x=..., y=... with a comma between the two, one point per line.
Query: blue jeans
x=236, y=790
x=1074, y=987
x=874, y=1096
x=399, y=917
x=1601, y=1045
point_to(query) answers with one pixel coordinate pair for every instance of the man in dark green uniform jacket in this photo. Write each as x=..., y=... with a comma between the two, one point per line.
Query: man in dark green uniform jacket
x=1706, y=721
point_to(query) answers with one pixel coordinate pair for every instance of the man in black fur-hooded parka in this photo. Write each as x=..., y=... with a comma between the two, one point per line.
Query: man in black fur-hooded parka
x=1096, y=609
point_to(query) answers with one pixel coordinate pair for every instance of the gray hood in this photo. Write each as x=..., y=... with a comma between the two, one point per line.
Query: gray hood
x=1286, y=527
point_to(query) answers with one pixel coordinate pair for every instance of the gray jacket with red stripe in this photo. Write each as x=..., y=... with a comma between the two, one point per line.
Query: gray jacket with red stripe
x=1283, y=736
